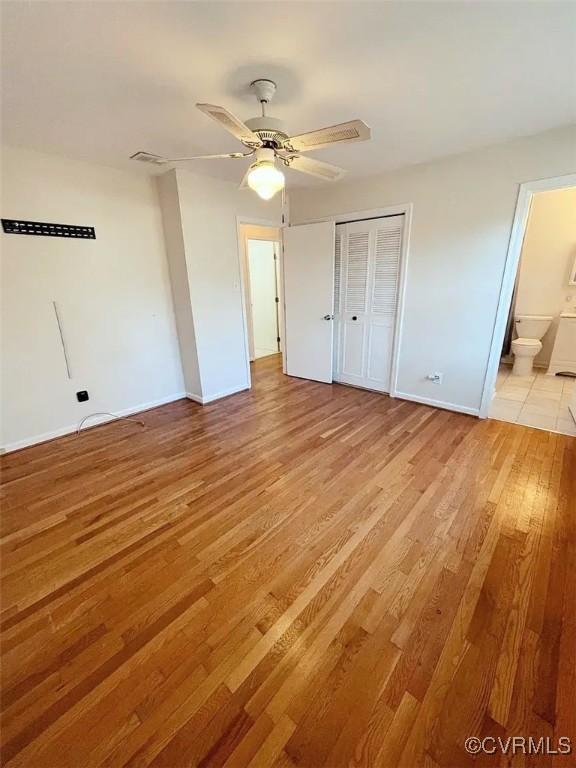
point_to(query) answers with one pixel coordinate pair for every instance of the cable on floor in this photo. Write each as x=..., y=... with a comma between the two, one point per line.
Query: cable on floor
x=107, y=413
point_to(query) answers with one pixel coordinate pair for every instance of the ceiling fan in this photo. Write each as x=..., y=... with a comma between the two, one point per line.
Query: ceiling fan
x=266, y=140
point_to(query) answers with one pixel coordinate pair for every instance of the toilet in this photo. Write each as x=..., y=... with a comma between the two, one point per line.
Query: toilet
x=530, y=330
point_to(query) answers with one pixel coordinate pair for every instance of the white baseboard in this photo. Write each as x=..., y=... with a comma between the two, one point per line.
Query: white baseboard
x=438, y=403
x=204, y=400
x=71, y=428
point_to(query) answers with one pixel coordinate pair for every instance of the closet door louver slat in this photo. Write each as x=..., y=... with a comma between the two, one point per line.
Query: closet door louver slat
x=357, y=271
x=386, y=267
x=337, y=272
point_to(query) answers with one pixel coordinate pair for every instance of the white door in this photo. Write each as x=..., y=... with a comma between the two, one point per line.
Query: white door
x=263, y=296
x=367, y=265
x=309, y=298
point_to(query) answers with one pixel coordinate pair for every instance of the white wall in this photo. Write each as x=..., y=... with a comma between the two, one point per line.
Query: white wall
x=463, y=211
x=113, y=294
x=209, y=211
x=176, y=254
x=548, y=253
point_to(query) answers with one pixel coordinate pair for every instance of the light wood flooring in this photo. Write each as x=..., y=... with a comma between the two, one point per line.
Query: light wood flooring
x=299, y=575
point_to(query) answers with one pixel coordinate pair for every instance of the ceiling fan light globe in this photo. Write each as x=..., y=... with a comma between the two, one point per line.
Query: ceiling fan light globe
x=266, y=180
x=266, y=193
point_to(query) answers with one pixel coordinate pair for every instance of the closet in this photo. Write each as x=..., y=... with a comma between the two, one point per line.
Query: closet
x=366, y=275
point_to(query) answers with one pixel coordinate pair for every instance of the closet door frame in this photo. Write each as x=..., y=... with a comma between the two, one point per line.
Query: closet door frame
x=377, y=213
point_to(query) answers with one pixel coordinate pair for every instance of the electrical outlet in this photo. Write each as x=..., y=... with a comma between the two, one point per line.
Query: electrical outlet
x=436, y=377
x=82, y=396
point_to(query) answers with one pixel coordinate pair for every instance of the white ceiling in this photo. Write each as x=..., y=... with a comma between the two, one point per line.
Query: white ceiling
x=99, y=80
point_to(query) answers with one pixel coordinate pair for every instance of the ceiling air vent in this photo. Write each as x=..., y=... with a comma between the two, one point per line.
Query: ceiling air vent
x=146, y=157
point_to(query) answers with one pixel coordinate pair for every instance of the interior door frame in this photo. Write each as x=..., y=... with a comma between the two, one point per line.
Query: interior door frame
x=242, y=266
x=526, y=192
x=404, y=209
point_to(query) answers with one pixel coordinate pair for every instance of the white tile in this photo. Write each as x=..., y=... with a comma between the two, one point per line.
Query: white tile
x=543, y=397
x=537, y=420
x=504, y=410
x=519, y=394
x=566, y=426
x=521, y=381
x=544, y=408
x=569, y=386
x=564, y=410
x=548, y=383
x=502, y=376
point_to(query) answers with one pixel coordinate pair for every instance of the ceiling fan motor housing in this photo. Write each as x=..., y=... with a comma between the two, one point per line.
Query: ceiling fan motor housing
x=271, y=130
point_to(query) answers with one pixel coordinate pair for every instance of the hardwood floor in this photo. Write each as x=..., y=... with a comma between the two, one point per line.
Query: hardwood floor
x=299, y=575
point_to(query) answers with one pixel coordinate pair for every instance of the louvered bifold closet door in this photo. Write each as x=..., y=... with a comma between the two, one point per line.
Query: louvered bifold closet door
x=369, y=264
x=337, y=298
x=383, y=301
x=354, y=298
x=386, y=269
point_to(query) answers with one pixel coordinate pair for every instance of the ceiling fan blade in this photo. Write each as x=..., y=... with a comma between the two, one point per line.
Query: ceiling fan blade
x=233, y=155
x=147, y=157
x=354, y=130
x=317, y=168
x=231, y=124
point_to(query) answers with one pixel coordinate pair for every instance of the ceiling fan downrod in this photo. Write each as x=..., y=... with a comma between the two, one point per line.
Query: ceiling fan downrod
x=264, y=89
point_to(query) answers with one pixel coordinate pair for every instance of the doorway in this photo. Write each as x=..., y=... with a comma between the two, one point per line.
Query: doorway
x=531, y=375
x=260, y=259
x=262, y=256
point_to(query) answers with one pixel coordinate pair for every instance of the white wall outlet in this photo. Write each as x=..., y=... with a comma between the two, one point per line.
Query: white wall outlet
x=436, y=377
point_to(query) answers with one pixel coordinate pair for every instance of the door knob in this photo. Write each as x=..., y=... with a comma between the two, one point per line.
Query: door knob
x=354, y=317
x=328, y=317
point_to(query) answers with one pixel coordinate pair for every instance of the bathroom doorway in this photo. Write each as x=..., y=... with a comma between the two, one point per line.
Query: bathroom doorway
x=531, y=377
x=260, y=258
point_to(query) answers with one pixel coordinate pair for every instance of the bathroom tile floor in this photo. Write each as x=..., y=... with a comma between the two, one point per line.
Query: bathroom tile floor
x=537, y=400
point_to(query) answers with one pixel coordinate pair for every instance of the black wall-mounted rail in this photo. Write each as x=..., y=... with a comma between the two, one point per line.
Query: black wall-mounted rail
x=45, y=229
